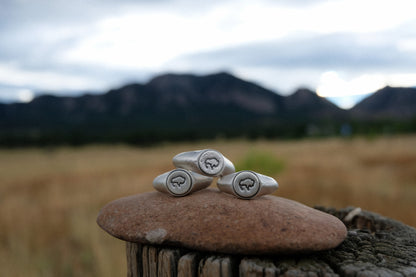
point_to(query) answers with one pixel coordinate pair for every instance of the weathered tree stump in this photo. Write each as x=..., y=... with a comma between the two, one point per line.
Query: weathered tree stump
x=375, y=246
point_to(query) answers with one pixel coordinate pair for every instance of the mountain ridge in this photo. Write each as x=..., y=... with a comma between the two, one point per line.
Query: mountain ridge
x=176, y=107
x=388, y=102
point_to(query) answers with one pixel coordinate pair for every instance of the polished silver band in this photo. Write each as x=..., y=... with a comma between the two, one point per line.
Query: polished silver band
x=247, y=184
x=207, y=162
x=180, y=182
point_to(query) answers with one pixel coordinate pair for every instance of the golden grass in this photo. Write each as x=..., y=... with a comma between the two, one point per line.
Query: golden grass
x=50, y=198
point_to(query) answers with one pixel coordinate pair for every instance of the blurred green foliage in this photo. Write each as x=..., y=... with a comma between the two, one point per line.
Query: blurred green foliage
x=261, y=162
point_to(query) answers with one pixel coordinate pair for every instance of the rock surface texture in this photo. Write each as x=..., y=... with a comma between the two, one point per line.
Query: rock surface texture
x=209, y=220
x=375, y=246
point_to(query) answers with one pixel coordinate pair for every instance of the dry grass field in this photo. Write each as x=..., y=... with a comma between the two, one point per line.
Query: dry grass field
x=50, y=198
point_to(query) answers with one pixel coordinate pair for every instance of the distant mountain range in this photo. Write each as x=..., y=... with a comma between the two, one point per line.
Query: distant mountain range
x=187, y=107
x=388, y=103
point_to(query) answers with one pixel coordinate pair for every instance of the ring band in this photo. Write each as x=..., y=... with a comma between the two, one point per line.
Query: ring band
x=180, y=182
x=207, y=162
x=247, y=184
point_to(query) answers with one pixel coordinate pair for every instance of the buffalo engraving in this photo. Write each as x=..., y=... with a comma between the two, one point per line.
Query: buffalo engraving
x=177, y=181
x=211, y=163
x=246, y=184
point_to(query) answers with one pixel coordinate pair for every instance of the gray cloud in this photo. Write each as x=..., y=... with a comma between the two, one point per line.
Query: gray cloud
x=35, y=33
x=336, y=51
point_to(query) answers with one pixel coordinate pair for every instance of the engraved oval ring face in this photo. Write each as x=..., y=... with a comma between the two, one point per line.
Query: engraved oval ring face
x=211, y=162
x=179, y=182
x=246, y=184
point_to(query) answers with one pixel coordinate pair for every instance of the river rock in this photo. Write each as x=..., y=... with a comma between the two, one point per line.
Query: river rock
x=209, y=220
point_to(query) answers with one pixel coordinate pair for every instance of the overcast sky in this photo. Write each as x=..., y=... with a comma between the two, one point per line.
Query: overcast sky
x=341, y=48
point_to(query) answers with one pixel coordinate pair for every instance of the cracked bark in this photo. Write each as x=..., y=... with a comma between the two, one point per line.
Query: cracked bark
x=375, y=246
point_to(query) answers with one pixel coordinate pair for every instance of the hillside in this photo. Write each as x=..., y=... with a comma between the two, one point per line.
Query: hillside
x=389, y=102
x=187, y=107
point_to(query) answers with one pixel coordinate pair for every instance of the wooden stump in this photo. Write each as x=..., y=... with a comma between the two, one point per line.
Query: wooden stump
x=375, y=246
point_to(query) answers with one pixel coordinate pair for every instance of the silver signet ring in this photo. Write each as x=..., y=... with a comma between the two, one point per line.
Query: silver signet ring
x=207, y=162
x=180, y=182
x=247, y=184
